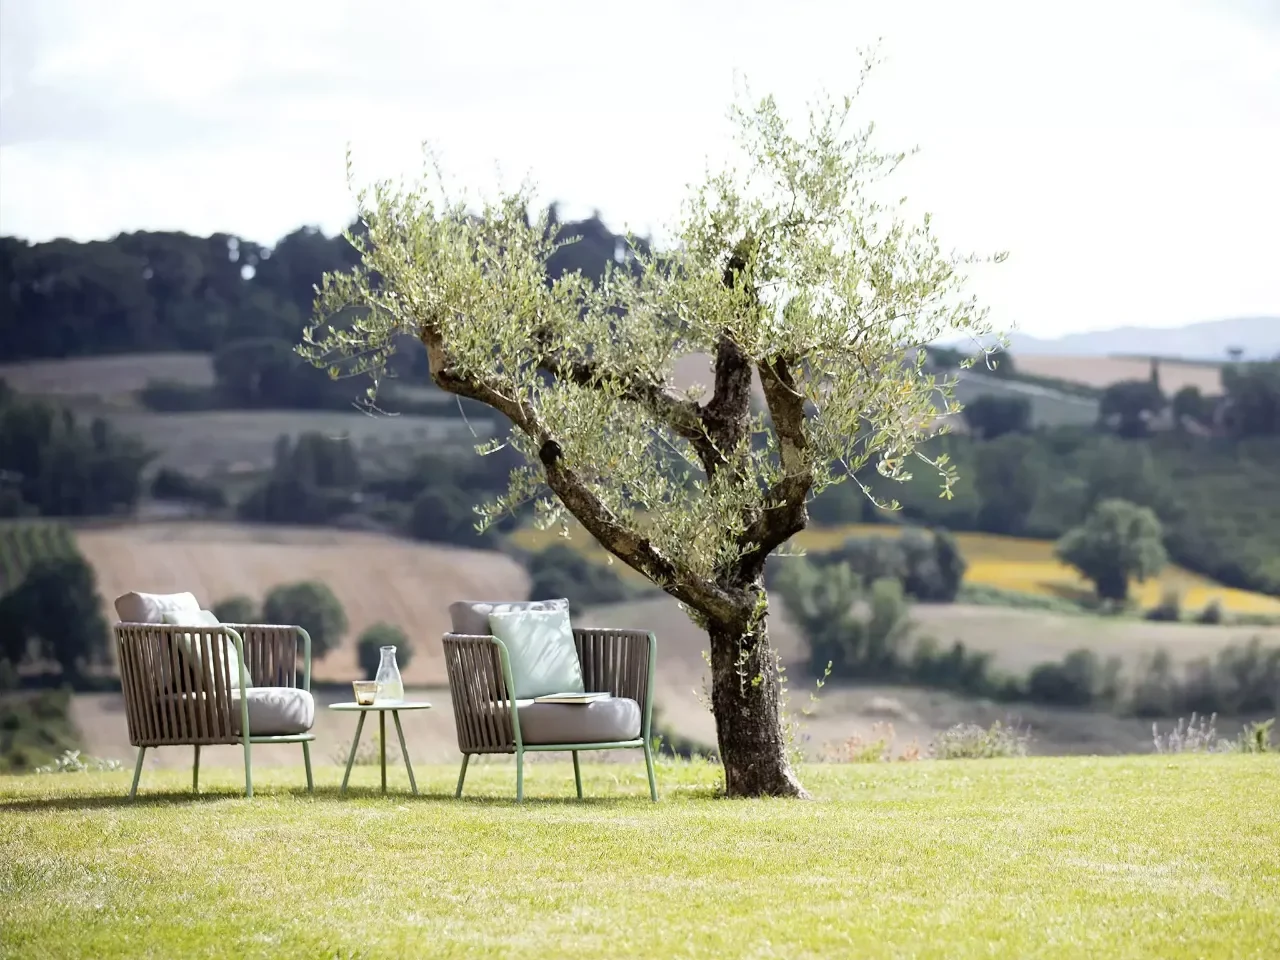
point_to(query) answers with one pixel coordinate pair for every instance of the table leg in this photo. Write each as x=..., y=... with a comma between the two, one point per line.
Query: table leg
x=382, y=745
x=352, y=759
x=404, y=751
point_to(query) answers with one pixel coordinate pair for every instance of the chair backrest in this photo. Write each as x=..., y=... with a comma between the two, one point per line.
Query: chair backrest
x=176, y=683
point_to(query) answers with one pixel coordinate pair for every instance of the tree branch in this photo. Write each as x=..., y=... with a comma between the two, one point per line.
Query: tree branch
x=633, y=549
x=783, y=513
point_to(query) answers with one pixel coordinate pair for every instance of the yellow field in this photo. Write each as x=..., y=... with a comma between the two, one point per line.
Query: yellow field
x=1009, y=563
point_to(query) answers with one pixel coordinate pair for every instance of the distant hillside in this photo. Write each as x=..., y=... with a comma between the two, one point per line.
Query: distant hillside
x=1258, y=337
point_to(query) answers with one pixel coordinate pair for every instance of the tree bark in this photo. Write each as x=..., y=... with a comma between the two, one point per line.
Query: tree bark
x=753, y=747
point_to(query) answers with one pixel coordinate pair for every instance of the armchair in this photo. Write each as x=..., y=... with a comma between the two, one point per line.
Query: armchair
x=191, y=681
x=491, y=720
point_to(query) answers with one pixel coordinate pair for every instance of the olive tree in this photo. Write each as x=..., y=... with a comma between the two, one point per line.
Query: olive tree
x=786, y=270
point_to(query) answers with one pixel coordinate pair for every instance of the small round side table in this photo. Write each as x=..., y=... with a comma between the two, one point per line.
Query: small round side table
x=382, y=709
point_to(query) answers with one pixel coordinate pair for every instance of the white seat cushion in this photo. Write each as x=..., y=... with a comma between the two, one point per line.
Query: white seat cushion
x=603, y=721
x=151, y=607
x=275, y=711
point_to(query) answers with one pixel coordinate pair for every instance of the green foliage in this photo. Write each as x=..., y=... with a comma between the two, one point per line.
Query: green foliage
x=55, y=613
x=1253, y=398
x=824, y=601
x=22, y=543
x=829, y=285
x=51, y=465
x=1008, y=479
x=1256, y=737
x=373, y=639
x=312, y=606
x=1169, y=609
x=1118, y=542
x=560, y=571
x=314, y=480
x=444, y=515
x=1212, y=613
x=237, y=609
x=1080, y=680
x=991, y=416
x=1239, y=680
x=928, y=563
x=35, y=728
x=1128, y=407
x=170, y=484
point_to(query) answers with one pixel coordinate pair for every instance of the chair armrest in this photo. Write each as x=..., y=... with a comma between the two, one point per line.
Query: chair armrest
x=480, y=689
x=271, y=653
x=621, y=662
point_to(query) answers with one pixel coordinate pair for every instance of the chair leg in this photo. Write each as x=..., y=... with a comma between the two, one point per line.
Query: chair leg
x=248, y=768
x=137, y=772
x=577, y=774
x=519, y=776
x=462, y=774
x=648, y=763
x=195, y=772
x=306, y=760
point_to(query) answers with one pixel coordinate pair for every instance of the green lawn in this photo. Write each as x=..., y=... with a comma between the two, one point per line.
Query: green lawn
x=1162, y=857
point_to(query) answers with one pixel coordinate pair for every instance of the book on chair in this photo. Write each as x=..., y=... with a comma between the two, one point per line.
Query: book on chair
x=572, y=697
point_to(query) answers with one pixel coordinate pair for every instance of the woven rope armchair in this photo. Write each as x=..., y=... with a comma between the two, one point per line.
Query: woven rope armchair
x=619, y=662
x=179, y=691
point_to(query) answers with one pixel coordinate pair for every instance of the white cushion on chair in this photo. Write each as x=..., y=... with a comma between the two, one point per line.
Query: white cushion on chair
x=151, y=607
x=275, y=711
x=603, y=721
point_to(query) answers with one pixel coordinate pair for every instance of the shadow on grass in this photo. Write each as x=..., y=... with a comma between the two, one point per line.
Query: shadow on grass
x=175, y=798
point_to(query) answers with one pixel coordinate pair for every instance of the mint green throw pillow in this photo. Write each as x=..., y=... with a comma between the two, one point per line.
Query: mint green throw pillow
x=540, y=647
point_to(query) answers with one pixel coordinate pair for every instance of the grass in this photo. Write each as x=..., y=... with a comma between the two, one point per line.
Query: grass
x=987, y=858
x=1014, y=564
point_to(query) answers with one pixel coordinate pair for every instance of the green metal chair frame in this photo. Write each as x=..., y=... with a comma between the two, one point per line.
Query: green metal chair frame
x=180, y=694
x=620, y=662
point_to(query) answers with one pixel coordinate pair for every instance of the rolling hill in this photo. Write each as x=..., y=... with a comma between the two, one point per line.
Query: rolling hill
x=1257, y=337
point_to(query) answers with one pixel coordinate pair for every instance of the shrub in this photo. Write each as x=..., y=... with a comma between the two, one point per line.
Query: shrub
x=446, y=515
x=1198, y=736
x=312, y=606
x=1080, y=680
x=172, y=484
x=1169, y=609
x=968, y=741
x=237, y=609
x=1256, y=737
x=1212, y=613
x=170, y=396
x=369, y=648
x=560, y=571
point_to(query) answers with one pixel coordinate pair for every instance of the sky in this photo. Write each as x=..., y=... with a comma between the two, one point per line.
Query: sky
x=1123, y=152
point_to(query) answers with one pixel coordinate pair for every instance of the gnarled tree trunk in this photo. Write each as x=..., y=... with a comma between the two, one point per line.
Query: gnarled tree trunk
x=745, y=690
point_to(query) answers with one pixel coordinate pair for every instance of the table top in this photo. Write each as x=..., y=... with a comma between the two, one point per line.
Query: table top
x=384, y=705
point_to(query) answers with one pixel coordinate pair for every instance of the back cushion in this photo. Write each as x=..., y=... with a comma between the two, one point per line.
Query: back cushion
x=541, y=651
x=151, y=607
x=471, y=617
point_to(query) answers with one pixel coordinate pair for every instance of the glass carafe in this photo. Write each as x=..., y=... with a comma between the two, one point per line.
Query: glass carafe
x=390, y=686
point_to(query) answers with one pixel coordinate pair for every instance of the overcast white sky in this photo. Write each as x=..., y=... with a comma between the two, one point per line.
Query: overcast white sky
x=1125, y=152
